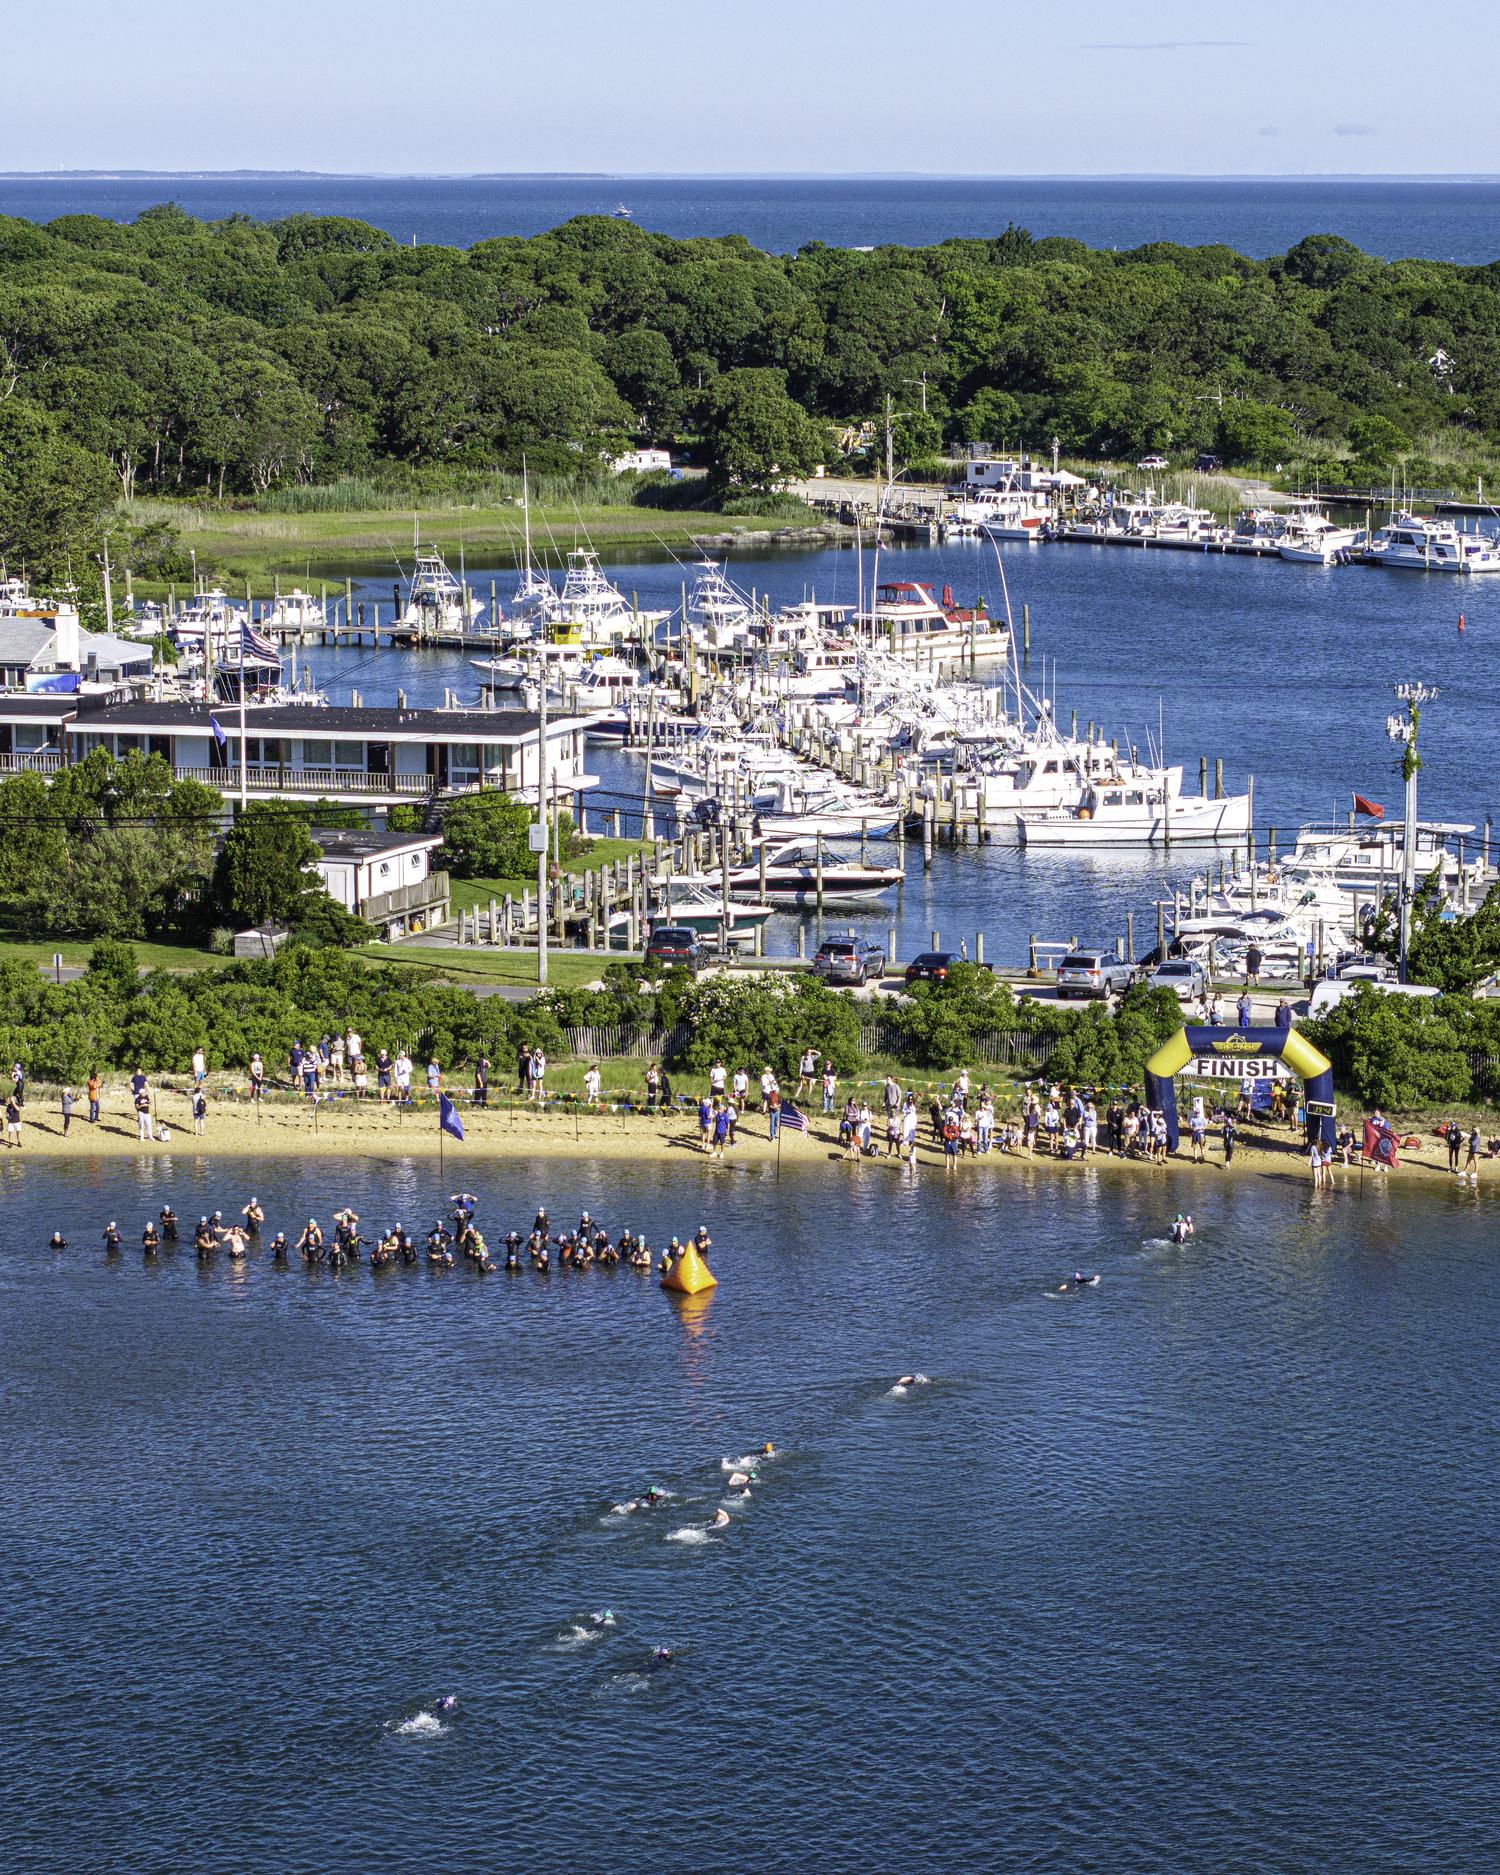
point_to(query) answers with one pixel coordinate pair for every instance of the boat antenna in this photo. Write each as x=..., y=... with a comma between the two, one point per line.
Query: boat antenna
x=526, y=518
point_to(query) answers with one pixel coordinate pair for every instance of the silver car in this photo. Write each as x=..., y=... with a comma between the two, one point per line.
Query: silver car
x=1092, y=973
x=1183, y=975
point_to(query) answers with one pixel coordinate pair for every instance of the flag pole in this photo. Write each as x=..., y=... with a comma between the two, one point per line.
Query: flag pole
x=440, y=1139
x=778, y=1149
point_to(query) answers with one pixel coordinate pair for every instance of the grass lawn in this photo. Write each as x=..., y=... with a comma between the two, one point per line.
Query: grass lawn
x=309, y=546
x=152, y=956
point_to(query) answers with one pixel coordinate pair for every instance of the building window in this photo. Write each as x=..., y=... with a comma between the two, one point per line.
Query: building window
x=317, y=754
x=348, y=755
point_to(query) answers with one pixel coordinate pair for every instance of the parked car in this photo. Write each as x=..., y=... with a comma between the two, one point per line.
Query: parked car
x=849, y=960
x=933, y=966
x=1152, y=462
x=1209, y=465
x=1093, y=973
x=676, y=944
x=1185, y=976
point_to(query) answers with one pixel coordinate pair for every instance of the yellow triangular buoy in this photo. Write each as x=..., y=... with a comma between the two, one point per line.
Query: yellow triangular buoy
x=689, y=1275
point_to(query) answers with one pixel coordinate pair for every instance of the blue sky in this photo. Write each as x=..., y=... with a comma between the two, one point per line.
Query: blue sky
x=1101, y=87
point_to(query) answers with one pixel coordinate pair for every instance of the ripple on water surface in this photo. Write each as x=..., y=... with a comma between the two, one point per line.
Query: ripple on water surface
x=1177, y=1573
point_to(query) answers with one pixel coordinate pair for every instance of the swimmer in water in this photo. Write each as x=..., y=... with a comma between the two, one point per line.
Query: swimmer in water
x=279, y=1247
x=112, y=1239
x=168, y=1224
x=446, y=1703
x=310, y=1243
x=720, y=1518
x=661, y=1658
x=150, y=1241
x=59, y=1242
x=513, y=1250
x=254, y=1217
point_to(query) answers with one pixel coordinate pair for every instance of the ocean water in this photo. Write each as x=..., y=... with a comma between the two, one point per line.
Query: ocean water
x=1434, y=218
x=1187, y=1571
x=1285, y=672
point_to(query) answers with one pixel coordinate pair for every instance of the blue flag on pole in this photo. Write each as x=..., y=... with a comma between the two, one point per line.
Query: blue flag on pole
x=448, y=1117
x=219, y=736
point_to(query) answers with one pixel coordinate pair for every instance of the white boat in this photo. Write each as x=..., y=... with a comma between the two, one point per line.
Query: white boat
x=908, y=622
x=792, y=875
x=810, y=805
x=437, y=604
x=295, y=611
x=1145, y=809
x=1312, y=539
x=1421, y=543
x=695, y=903
x=717, y=613
x=593, y=613
x=601, y=684
x=1257, y=530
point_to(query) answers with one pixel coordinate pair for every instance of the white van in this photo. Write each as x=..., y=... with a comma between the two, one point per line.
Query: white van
x=1328, y=995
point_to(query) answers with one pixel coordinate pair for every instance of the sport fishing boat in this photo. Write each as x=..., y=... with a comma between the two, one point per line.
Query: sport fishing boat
x=438, y=605
x=1311, y=538
x=294, y=611
x=1421, y=544
x=592, y=612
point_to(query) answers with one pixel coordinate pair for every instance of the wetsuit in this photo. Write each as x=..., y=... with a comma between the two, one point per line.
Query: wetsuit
x=168, y=1225
x=111, y=1241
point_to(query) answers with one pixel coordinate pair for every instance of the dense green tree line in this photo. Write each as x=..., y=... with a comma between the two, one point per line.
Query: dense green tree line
x=177, y=356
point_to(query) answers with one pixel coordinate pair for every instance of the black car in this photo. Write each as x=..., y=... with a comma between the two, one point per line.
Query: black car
x=1209, y=465
x=676, y=944
x=933, y=966
x=848, y=960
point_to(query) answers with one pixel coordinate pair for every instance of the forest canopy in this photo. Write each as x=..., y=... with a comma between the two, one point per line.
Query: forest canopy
x=175, y=356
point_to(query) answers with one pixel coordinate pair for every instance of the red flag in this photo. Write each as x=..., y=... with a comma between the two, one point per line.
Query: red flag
x=1380, y=1145
x=1372, y=808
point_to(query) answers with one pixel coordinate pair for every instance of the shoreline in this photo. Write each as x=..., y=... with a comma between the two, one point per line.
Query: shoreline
x=286, y=1130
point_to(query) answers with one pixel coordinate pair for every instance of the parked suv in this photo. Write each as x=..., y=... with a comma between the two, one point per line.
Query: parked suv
x=849, y=960
x=676, y=944
x=933, y=966
x=1185, y=975
x=1092, y=973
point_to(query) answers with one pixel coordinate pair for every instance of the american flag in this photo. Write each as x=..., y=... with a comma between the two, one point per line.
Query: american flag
x=792, y=1118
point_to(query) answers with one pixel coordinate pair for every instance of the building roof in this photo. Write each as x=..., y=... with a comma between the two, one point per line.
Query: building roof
x=56, y=707
x=303, y=719
x=22, y=638
x=344, y=843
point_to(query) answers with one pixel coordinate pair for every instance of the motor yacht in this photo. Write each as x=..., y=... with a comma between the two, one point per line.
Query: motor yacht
x=1422, y=543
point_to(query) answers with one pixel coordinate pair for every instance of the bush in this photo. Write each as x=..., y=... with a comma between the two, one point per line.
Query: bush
x=1401, y=1052
x=221, y=941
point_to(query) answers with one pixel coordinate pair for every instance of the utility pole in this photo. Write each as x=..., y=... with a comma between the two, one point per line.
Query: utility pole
x=1404, y=729
x=923, y=382
x=890, y=449
x=542, y=894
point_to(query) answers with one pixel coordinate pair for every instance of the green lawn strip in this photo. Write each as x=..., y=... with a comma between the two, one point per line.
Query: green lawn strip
x=75, y=951
x=307, y=546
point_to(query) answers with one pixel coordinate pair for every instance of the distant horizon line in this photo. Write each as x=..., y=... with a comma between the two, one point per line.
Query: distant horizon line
x=737, y=175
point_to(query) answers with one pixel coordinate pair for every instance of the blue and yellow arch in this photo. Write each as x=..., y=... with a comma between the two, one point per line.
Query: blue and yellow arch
x=1233, y=1055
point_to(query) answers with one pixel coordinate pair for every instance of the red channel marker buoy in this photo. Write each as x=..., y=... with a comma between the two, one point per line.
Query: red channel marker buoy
x=1460, y=623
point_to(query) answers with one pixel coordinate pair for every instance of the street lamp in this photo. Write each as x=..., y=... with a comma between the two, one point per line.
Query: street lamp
x=1403, y=729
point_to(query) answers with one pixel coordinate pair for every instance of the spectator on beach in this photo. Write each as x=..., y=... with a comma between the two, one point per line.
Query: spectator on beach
x=294, y=1062
x=718, y=1077
x=142, y=1110
x=200, y=1111
x=830, y=1086
x=773, y=1112
x=354, y=1045
x=93, y=1093
x=257, y=1075
x=200, y=1066
x=12, y=1120
x=1454, y=1134
x=482, y=1082
x=706, y=1123
x=653, y=1087
x=310, y=1072
x=593, y=1083
x=538, y=1074
x=434, y=1079
x=384, y=1068
x=67, y=1109
x=1253, y=961
x=18, y=1083
x=1243, y=1009
x=336, y=1060
x=523, y=1071
x=807, y=1071
x=1283, y=1014
x=361, y=1078
x=401, y=1073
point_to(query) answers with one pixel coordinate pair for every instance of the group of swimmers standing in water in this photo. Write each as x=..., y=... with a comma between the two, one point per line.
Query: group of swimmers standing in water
x=343, y=1244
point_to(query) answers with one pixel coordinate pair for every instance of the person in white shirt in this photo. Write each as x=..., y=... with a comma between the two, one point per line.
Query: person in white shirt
x=717, y=1077
x=741, y=1085
x=808, y=1072
x=592, y=1083
x=200, y=1067
x=355, y=1046
x=768, y=1085
x=402, y=1072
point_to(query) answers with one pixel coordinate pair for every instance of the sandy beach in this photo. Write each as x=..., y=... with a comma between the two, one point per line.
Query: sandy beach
x=341, y=1128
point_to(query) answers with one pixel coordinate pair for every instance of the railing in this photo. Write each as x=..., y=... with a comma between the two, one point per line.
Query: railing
x=308, y=780
x=38, y=761
x=630, y=1041
x=432, y=890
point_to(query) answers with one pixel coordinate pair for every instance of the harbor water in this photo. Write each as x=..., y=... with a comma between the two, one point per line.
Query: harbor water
x=1188, y=1570
x=1283, y=671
